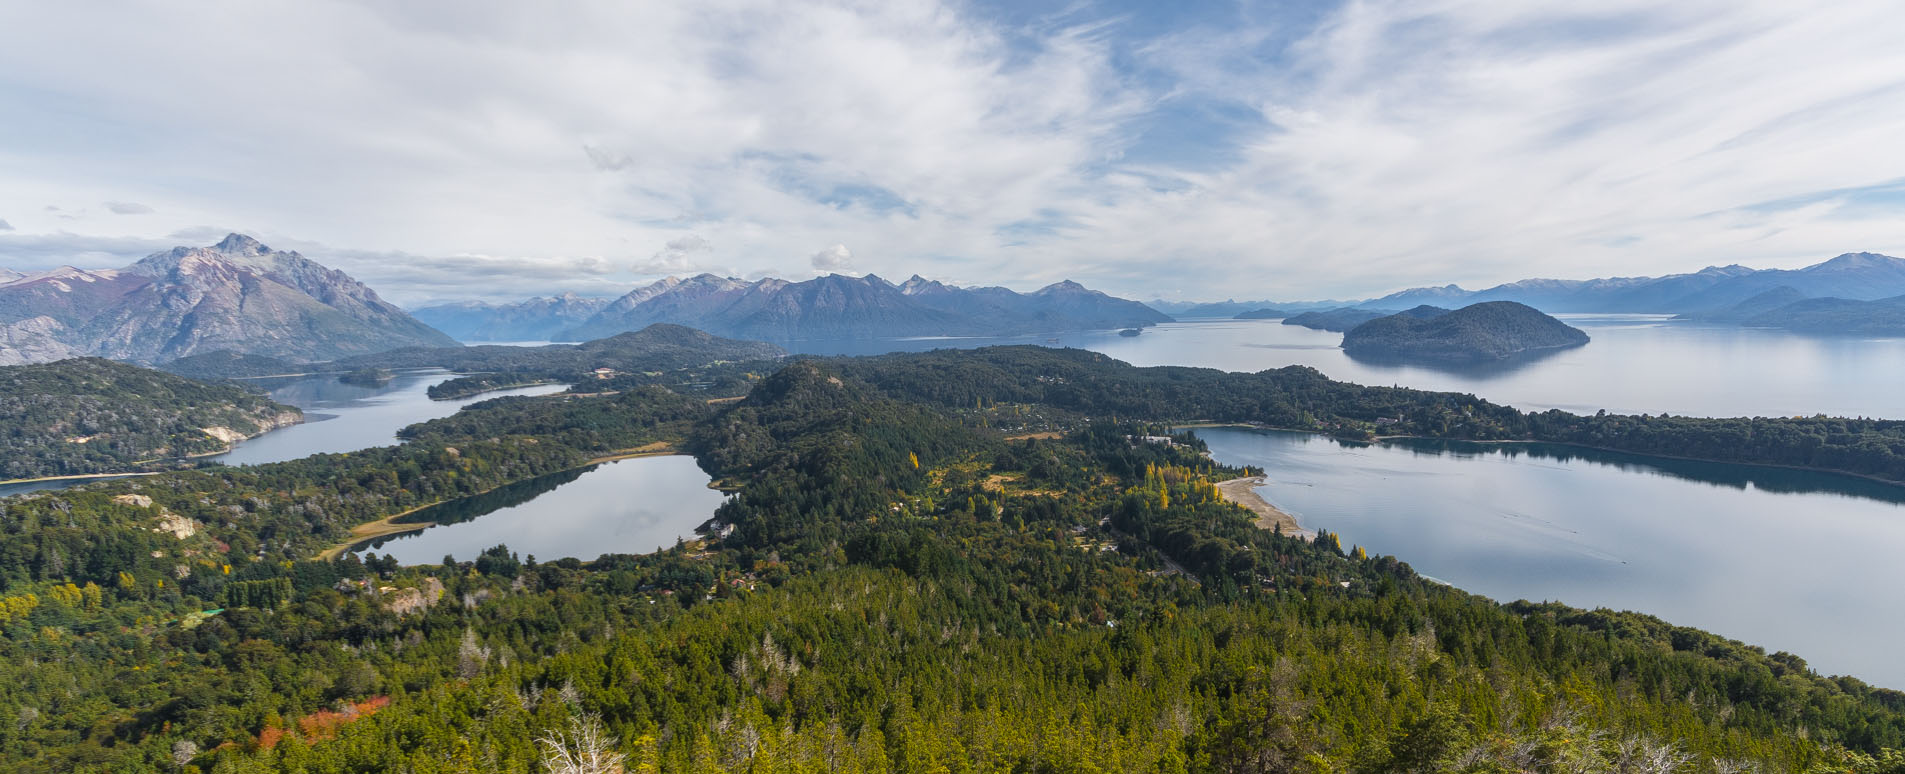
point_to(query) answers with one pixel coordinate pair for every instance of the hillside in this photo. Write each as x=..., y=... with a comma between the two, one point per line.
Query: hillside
x=904, y=588
x=842, y=307
x=236, y=295
x=653, y=350
x=1338, y=320
x=87, y=416
x=1487, y=331
x=1884, y=317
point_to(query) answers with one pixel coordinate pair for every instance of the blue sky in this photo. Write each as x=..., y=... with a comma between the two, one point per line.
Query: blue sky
x=1193, y=150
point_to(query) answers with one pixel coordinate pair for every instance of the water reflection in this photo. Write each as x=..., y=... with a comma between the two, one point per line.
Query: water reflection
x=1470, y=369
x=633, y=506
x=1784, y=559
x=341, y=417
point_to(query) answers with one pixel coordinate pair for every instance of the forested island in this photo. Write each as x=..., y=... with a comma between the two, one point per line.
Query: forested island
x=1491, y=330
x=952, y=559
x=89, y=416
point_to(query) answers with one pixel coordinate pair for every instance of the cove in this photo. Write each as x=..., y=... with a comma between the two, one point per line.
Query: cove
x=632, y=506
x=1790, y=560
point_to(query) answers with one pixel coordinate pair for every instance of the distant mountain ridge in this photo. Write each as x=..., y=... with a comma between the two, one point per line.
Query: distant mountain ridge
x=236, y=295
x=840, y=306
x=1855, y=276
x=537, y=319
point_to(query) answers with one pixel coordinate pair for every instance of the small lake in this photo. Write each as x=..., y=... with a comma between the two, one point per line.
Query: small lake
x=633, y=506
x=341, y=417
x=1785, y=559
x=1635, y=364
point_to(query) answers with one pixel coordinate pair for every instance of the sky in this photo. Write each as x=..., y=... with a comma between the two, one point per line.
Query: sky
x=453, y=149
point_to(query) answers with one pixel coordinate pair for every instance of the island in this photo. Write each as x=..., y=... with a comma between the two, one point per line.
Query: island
x=1491, y=330
x=1338, y=320
x=365, y=377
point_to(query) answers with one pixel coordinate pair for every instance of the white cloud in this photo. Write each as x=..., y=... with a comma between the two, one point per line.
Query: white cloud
x=128, y=208
x=1399, y=142
x=682, y=255
x=834, y=259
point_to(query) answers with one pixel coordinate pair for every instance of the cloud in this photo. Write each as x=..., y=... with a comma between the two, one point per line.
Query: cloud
x=1337, y=149
x=4, y=225
x=128, y=208
x=607, y=160
x=835, y=259
x=681, y=255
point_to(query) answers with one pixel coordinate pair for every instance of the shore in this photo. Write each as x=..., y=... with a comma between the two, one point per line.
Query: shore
x=80, y=477
x=1243, y=491
x=388, y=525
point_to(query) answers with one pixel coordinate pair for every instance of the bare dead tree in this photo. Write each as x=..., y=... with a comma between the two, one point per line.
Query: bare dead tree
x=586, y=748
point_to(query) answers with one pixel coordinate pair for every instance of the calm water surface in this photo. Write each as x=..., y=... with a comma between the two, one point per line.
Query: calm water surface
x=1635, y=364
x=337, y=418
x=1787, y=560
x=341, y=417
x=633, y=506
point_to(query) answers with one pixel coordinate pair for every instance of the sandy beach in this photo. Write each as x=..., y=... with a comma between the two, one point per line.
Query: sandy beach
x=1242, y=491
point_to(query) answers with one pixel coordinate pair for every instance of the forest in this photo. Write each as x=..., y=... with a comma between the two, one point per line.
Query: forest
x=1080, y=383
x=89, y=415
x=912, y=583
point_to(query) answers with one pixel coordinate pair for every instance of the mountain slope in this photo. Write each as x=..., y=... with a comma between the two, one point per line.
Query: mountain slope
x=1486, y=331
x=90, y=415
x=1336, y=319
x=237, y=295
x=843, y=307
x=1884, y=317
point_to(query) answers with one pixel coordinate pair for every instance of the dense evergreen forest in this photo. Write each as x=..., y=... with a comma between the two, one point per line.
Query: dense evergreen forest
x=88, y=415
x=913, y=582
x=1039, y=384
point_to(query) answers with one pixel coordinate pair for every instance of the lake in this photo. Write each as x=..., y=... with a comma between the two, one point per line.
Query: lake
x=1788, y=560
x=1635, y=364
x=338, y=417
x=341, y=417
x=633, y=506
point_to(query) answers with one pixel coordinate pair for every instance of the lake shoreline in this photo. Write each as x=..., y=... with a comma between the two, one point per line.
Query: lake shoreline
x=1243, y=492
x=1526, y=442
x=387, y=526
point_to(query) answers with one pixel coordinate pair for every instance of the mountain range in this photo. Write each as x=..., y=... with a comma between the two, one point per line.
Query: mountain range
x=833, y=306
x=1852, y=276
x=235, y=295
x=538, y=319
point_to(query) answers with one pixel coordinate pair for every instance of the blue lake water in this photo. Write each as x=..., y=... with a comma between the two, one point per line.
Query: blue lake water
x=1788, y=560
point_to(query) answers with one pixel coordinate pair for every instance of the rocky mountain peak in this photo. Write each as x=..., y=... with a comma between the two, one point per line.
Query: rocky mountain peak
x=240, y=244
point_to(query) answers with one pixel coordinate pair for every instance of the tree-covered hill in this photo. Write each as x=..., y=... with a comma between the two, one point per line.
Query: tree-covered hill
x=89, y=415
x=1490, y=330
x=905, y=588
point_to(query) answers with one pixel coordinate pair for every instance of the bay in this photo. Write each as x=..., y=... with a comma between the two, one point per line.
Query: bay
x=1791, y=560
